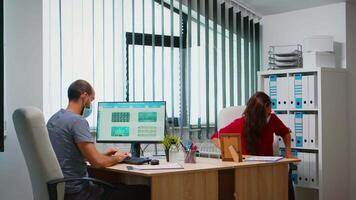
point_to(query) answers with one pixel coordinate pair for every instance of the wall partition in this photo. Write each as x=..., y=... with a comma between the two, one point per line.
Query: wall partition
x=198, y=56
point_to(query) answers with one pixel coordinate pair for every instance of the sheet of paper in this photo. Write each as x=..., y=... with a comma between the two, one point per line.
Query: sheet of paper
x=155, y=167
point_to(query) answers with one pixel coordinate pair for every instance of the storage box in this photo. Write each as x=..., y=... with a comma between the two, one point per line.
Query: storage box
x=319, y=43
x=318, y=59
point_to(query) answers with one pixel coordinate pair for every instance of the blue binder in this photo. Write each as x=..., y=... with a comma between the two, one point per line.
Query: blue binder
x=298, y=129
x=298, y=90
x=273, y=90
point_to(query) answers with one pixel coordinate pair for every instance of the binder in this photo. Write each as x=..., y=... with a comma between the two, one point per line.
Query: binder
x=305, y=91
x=273, y=90
x=306, y=169
x=282, y=93
x=266, y=86
x=291, y=125
x=312, y=92
x=285, y=119
x=301, y=169
x=306, y=141
x=313, y=169
x=298, y=128
x=300, y=91
x=313, y=131
x=291, y=103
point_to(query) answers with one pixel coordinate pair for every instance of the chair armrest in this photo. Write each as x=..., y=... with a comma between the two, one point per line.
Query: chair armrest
x=52, y=185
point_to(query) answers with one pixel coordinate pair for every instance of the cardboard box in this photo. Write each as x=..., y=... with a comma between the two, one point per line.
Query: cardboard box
x=319, y=43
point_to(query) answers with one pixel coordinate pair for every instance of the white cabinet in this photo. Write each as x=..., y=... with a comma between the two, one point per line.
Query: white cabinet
x=312, y=103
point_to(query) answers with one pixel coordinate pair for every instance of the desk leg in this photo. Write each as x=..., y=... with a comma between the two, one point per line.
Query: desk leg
x=189, y=186
x=262, y=183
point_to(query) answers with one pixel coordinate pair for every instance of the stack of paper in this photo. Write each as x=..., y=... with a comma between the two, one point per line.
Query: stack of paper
x=263, y=158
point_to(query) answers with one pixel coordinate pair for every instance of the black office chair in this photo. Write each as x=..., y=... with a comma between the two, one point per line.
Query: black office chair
x=45, y=173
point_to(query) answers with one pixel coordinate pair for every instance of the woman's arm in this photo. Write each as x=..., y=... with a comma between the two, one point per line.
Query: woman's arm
x=287, y=143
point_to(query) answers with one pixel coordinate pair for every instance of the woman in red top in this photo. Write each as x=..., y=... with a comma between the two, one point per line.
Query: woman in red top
x=256, y=127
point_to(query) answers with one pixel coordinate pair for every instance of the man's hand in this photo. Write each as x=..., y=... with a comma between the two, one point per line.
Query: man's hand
x=121, y=155
x=110, y=151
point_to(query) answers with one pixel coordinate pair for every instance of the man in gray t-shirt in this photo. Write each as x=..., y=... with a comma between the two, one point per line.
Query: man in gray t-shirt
x=73, y=143
x=66, y=129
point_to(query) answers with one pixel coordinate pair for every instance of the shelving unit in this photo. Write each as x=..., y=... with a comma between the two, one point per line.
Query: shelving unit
x=331, y=145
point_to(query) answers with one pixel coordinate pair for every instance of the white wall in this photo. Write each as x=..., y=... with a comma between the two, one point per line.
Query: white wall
x=23, y=64
x=351, y=66
x=293, y=27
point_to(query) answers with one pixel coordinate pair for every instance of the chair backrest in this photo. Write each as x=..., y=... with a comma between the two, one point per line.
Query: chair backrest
x=36, y=147
x=229, y=114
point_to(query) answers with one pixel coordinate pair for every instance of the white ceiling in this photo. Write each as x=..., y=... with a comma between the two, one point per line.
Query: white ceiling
x=269, y=7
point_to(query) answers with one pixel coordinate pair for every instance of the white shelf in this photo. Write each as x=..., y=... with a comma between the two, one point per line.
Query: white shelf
x=299, y=70
x=296, y=110
x=331, y=136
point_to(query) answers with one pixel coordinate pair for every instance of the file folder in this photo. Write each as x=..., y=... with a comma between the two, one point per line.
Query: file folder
x=291, y=103
x=291, y=125
x=266, y=86
x=282, y=93
x=306, y=168
x=298, y=90
x=305, y=91
x=285, y=119
x=298, y=128
x=301, y=168
x=312, y=92
x=313, y=131
x=273, y=90
x=305, y=131
x=313, y=169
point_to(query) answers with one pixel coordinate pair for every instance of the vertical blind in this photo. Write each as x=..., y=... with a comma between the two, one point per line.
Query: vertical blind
x=198, y=56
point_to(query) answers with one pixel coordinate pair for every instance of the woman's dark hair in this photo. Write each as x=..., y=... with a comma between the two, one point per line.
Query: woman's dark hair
x=255, y=119
x=77, y=88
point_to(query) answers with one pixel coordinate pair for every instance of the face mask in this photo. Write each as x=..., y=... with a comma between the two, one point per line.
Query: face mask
x=87, y=111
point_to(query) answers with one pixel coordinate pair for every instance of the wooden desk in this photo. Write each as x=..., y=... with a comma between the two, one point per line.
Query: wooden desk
x=209, y=179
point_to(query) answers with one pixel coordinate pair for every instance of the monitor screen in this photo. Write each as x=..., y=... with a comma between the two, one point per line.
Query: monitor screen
x=131, y=121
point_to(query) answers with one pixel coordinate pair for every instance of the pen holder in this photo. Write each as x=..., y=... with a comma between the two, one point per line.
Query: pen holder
x=190, y=156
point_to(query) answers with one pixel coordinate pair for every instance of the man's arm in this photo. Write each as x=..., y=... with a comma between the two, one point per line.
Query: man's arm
x=97, y=159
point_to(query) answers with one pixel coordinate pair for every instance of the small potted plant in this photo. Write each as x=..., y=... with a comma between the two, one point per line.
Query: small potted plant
x=170, y=143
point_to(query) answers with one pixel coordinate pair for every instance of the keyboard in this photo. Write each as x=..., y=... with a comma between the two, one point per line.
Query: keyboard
x=136, y=160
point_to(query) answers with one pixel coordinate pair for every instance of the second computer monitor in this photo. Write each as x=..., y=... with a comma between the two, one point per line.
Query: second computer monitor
x=142, y=122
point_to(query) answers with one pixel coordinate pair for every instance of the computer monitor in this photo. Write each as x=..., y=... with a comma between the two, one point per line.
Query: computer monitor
x=131, y=122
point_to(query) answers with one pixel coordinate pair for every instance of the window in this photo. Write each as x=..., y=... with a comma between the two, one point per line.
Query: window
x=135, y=50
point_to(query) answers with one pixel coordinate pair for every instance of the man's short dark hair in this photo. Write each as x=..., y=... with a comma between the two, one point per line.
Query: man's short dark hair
x=77, y=88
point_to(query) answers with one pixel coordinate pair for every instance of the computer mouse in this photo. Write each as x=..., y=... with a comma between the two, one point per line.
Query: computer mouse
x=154, y=162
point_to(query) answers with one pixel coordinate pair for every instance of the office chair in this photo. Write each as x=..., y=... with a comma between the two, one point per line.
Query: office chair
x=45, y=173
x=229, y=114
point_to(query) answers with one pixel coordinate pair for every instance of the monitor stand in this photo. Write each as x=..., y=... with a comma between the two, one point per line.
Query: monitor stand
x=135, y=149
